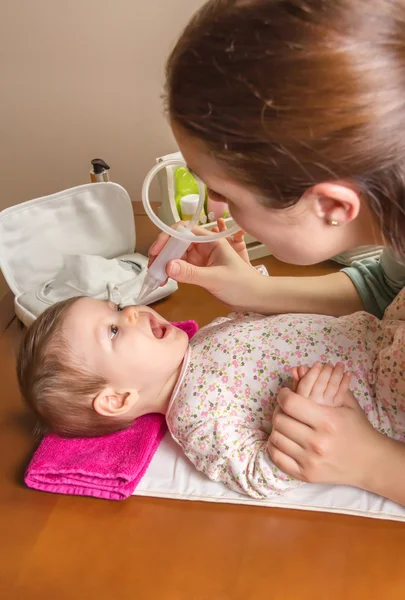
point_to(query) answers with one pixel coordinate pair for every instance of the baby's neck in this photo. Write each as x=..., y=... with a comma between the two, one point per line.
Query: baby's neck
x=158, y=401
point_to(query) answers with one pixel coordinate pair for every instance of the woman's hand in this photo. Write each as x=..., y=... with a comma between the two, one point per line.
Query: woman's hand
x=217, y=267
x=237, y=240
x=324, y=384
x=320, y=434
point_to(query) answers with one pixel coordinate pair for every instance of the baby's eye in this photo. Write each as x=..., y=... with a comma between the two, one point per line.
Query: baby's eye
x=119, y=307
x=113, y=331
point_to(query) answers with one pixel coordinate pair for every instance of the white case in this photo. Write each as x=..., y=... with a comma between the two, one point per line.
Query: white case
x=35, y=236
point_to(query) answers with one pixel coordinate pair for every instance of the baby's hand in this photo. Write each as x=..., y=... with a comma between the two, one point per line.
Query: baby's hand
x=237, y=240
x=325, y=384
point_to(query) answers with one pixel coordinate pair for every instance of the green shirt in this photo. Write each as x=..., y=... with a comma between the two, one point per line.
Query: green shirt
x=377, y=281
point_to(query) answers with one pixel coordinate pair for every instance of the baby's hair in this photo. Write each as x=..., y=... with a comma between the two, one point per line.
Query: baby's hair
x=55, y=386
x=285, y=94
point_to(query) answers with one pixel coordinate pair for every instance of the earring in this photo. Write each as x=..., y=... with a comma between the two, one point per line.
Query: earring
x=334, y=223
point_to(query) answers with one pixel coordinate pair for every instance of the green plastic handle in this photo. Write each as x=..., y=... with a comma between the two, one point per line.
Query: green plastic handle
x=185, y=184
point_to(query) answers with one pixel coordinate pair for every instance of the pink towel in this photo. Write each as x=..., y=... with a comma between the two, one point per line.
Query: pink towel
x=105, y=467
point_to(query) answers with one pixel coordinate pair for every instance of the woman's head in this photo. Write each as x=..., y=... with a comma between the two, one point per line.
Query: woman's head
x=86, y=367
x=299, y=105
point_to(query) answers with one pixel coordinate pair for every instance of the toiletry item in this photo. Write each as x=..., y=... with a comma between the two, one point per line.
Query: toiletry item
x=99, y=171
x=189, y=205
x=219, y=209
x=185, y=184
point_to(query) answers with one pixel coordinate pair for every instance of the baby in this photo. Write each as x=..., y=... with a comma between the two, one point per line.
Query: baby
x=88, y=367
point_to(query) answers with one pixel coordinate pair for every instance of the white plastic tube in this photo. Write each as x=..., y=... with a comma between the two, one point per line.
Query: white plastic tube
x=180, y=234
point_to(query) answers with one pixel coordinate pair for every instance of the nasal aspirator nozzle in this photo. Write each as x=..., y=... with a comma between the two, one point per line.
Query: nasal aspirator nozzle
x=149, y=285
x=156, y=274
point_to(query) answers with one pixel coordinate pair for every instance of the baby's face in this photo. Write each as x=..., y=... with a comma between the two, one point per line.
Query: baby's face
x=132, y=348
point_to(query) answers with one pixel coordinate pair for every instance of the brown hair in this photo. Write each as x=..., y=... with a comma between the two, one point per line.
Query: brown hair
x=289, y=93
x=60, y=392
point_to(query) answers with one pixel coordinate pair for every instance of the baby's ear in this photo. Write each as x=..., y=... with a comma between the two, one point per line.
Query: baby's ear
x=111, y=403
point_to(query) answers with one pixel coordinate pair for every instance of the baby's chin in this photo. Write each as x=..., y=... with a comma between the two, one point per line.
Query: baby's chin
x=181, y=339
x=179, y=334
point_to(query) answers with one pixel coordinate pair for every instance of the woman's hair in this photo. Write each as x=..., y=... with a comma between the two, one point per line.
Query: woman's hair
x=289, y=93
x=55, y=386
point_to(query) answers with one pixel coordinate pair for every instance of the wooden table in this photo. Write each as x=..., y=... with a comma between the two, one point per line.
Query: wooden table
x=64, y=547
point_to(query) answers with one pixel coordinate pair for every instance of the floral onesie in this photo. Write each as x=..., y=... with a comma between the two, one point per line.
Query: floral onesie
x=221, y=411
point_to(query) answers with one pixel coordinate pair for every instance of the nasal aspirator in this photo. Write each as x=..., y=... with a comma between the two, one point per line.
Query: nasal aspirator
x=156, y=274
x=180, y=238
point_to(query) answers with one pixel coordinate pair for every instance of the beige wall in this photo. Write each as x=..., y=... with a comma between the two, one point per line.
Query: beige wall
x=79, y=80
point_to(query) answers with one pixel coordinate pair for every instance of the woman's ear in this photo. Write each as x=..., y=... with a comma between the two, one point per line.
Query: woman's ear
x=110, y=403
x=336, y=203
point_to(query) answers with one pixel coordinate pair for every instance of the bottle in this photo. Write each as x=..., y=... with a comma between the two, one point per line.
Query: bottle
x=185, y=184
x=188, y=206
x=99, y=171
x=217, y=210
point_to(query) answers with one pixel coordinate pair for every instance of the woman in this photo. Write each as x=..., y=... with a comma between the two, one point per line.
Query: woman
x=294, y=112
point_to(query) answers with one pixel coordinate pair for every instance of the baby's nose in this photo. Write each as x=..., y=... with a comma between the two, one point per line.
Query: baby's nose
x=131, y=314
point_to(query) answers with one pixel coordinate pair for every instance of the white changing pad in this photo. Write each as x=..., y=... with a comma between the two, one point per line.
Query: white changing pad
x=171, y=475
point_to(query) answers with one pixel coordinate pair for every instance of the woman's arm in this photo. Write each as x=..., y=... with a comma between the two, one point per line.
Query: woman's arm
x=368, y=285
x=377, y=281
x=387, y=477
x=332, y=294
x=221, y=271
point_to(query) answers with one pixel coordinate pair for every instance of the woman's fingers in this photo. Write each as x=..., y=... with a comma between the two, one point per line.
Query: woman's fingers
x=302, y=370
x=285, y=445
x=308, y=381
x=345, y=383
x=283, y=461
x=221, y=225
x=163, y=238
x=300, y=408
x=333, y=385
x=239, y=236
x=298, y=433
x=295, y=377
x=321, y=382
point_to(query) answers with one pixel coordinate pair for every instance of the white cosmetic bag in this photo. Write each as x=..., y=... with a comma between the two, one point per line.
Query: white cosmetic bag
x=69, y=244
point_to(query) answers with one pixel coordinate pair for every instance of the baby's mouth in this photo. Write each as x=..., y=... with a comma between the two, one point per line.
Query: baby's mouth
x=159, y=330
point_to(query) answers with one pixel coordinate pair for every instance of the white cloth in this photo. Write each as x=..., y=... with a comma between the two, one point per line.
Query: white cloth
x=88, y=275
